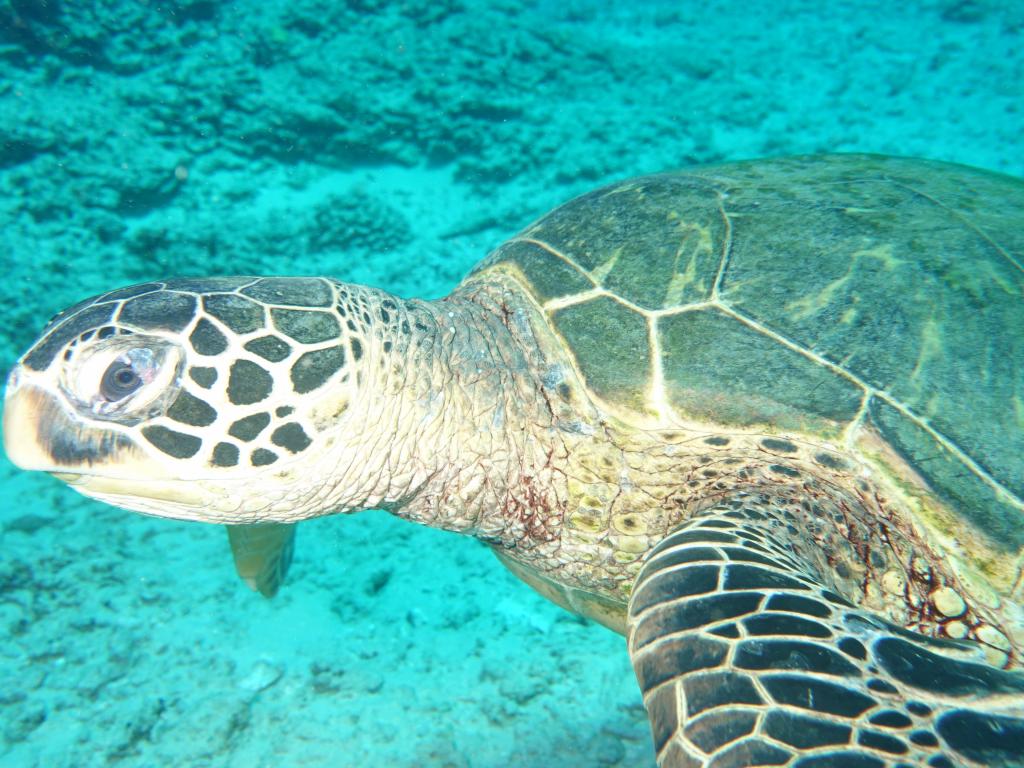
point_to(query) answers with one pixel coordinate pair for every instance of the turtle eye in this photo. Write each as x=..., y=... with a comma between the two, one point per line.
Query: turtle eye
x=120, y=380
x=125, y=377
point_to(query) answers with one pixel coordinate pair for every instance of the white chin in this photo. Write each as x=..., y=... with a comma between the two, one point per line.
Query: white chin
x=175, y=499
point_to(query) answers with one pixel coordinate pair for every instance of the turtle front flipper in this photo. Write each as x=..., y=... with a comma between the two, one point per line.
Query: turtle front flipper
x=744, y=657
x=263, y=552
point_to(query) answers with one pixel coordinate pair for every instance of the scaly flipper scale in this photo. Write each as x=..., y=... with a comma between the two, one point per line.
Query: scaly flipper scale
x=745, y=658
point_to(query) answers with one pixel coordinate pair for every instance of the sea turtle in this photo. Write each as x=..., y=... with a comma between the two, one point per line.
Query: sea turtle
x=766, y=419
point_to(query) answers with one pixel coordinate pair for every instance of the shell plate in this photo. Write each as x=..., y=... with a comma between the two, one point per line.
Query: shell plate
x=805, y=295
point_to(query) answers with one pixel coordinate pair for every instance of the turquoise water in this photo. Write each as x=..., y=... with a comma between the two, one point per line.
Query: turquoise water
x=393, y=144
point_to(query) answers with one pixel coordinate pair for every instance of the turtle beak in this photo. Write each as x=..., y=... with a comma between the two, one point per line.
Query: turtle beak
x=41, y=433
x=23, y=406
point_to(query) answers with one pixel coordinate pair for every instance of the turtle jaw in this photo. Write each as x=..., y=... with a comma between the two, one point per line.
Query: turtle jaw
x=158, y=498
x=99, y=463
x=40, y=434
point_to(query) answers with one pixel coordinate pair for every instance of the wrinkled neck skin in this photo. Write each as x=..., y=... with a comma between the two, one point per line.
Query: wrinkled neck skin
x=449, y=406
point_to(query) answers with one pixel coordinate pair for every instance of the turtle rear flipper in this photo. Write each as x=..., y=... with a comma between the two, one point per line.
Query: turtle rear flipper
x=263, y=552
x=745, y=658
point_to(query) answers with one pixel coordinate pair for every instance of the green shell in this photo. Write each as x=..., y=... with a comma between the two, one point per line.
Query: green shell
x=799, y=295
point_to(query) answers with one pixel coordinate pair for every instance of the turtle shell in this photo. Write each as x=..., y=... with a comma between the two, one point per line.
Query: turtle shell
x=869, y=299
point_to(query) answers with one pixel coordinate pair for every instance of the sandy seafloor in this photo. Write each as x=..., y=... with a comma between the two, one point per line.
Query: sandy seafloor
x=392, y=143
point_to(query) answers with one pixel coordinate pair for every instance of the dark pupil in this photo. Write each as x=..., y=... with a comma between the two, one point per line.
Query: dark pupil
x=119, y=381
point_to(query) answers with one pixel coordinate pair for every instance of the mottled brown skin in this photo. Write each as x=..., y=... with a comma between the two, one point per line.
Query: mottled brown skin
x=846, y=528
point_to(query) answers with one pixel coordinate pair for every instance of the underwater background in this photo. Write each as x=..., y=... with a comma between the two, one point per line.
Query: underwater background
x=392, y=143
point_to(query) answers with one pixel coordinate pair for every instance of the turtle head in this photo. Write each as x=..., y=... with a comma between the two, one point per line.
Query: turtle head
x=216, y=399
